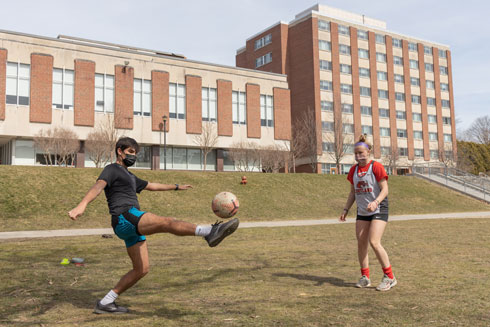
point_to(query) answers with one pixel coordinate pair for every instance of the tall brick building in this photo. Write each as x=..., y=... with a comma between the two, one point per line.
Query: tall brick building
x=80, y=84
x=353, y=73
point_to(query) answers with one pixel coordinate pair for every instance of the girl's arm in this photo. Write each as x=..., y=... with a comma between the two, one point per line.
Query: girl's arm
x=348, y=204
x=383, y=185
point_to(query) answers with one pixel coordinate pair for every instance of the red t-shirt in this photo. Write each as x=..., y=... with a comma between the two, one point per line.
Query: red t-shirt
x=378, y=170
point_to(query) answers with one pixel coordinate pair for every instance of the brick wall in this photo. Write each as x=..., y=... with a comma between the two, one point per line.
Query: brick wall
x=391, y=93
x=282, y=114
x=451, y=104
x=437, y=89
x=3, y=80
x=423, y=100
x=337, y=99
x=253, y=110
x=193, y=104
x=374, y=95
x=84, y=96
x=124, y=84
x=225, y=121
x=356, y=96
x=41, y=88
x=408, y=99
x=159, y=100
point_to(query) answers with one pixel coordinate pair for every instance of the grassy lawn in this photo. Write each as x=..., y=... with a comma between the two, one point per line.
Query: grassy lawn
x=35, y=198
x=297, y=276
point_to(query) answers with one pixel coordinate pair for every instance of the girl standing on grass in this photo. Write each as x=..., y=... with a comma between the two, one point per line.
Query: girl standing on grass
x=369, y=188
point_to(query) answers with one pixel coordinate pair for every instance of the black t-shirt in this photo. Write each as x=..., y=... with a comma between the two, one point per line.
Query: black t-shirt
x=121, y=188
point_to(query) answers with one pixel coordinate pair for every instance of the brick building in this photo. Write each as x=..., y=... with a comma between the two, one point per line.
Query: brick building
x=358, y=77
x=80, y=84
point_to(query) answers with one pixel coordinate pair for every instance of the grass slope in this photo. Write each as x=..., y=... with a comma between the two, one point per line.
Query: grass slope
x=40, y=197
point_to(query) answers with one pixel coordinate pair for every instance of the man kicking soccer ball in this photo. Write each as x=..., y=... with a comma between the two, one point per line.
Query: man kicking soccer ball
x=131, y=224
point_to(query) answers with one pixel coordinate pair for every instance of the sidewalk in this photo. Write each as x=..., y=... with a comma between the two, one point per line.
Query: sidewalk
x=280, y=223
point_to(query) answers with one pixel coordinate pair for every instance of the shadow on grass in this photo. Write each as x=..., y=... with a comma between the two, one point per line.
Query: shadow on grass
x=319, y=280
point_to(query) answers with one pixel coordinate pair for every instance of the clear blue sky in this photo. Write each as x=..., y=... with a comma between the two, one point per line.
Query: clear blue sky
x=212, y=30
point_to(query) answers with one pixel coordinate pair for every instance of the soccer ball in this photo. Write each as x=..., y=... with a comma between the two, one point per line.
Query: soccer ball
x=225, y=205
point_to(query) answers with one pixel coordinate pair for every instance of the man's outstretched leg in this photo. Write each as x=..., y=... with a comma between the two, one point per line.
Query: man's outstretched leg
x=150, y=224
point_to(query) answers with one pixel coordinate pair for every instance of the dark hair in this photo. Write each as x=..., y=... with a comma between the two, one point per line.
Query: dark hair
x=126, y=142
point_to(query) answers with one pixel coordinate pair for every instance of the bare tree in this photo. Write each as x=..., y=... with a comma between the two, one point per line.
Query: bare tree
x=446, y=155
x=479, y=131
x=339, y=142
x=66, y=145
x=207, y=140
x=245, y=155
x=305, y=138
x=98, y=147
x=44, y=141
x=273, y=158
x=391, y=159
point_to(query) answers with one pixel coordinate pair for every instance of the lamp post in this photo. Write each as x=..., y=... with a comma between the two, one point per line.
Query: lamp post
x=164, y=142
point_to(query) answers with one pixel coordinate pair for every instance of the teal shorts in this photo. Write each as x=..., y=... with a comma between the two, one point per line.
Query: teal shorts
x=126, y=226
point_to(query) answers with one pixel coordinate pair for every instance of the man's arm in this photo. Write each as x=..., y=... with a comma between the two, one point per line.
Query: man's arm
x=89, y=197
x=166, y=187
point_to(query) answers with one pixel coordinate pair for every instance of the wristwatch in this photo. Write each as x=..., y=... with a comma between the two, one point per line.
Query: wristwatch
x=176, y=187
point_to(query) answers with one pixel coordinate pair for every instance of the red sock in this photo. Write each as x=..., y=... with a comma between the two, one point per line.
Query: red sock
x=365, y=272
x=388, y=272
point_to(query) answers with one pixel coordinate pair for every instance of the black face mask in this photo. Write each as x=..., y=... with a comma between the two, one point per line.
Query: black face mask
x=129, y=160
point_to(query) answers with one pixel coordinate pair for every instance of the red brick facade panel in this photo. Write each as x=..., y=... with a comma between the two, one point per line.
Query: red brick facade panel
x=391, y=93
x=124, y=88
x=41, y=88
x=408, y=100
x=3, y=80
x=253, y=110
x=374, y=95
x=84, y=93
x=159, y=100
x=193, y=104
x=282, y=114
x=241, y=60
x=356, y=97
x=225, y=119
x=451, y=104
x=437, y=89
x=337, y=101
x=423, y=101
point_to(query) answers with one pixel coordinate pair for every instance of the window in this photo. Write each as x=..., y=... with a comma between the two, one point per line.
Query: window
x=427, y=50
x=416, y=99
x=397, y=43
x=366, y=110
x=429, y=67
x=104, y=93
x=327, y=126
x=417, y=135
x=443, y=70
x=142, y=97
x=344, y=49
x=384, y=113
x=430, y=84
x=415, y=81
x=399, y=96
x=445, y=87
x=363, y=35
x=346, y=88
x=412, y=46
x=445, y=103
x=363, y=72
x=262, y=42
x=367, y=130
x=348, y=128
x=348, y=149
x=416, y=116
x=418, y=153
x=344, y=30
x=177, y=101
x=448, y=138
x=238, y=107
x=347, y=108
x=398, y=60
x=446, y=120
x=434, y=154
x=402, y=115
x=323, y=25
x=266, y=110
x=365, y=91
x=345, y=69
x=324, y=45
x=431, y=101
x=399, y=79
x=363, y=53
x=209, y=109
x=386, y=151
x=18, y=83
x=432, y=136
x=381, y=57
x=380, y=39
x=63, y=80
x=382, y=76
x=401, y=133
x=327, y=147
x=442, y=53
x=325, y=65
x=432, y=119
x=383, y=94
x=384, y=131
x=403, y=152
x=265, y=59
x=414, y=64
x=327, y=105
x=325, y=85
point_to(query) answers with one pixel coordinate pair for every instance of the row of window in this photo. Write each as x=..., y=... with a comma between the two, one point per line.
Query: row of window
x=262, y=42
x=379, y=38
x=263, y=60
x=385, y=150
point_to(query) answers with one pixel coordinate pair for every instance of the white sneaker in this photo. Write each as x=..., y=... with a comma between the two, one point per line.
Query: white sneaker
x=363, y=282
x=386, y=283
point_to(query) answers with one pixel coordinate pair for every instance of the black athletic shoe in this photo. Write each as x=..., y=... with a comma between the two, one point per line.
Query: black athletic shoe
x=109, y=308
x=219, y=231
